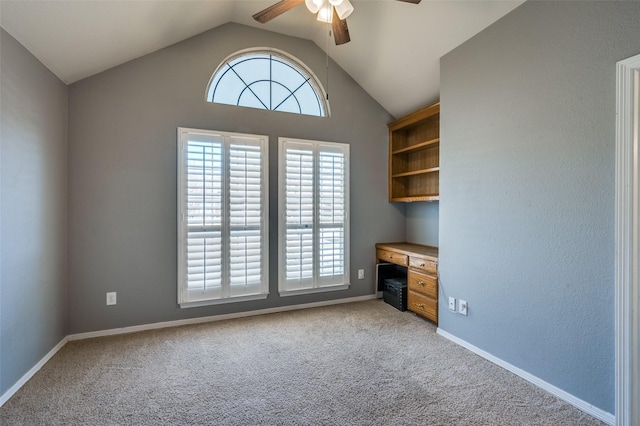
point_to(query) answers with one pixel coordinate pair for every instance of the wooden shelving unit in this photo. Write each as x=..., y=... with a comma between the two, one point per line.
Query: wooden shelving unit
x=414, y=156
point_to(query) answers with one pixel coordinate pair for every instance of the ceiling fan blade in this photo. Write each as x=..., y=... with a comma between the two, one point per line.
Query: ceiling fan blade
x=340, y=29
x=276, y=10
x=411, y=1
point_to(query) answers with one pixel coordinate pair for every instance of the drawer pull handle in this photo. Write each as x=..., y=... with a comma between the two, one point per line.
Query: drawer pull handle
x=421, y=305
x=421, y=283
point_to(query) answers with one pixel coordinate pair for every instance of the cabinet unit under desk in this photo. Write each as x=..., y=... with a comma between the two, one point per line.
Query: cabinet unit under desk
x=422, y=274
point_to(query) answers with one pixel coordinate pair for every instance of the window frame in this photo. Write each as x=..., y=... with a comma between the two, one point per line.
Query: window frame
x=227, y=138
x=289, y=60
x=317, y=284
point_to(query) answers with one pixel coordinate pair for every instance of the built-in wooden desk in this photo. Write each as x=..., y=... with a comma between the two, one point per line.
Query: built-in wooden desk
x=422, y=274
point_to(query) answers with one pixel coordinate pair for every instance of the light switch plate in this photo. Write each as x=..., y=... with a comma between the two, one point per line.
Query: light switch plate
x=463, y=307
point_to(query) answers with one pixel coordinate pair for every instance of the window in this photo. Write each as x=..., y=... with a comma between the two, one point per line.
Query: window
x=314, y=207
x=222, y=217
x=267, y=79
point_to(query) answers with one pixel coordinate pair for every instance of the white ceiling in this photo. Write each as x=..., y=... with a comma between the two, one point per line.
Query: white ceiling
x=394, y=51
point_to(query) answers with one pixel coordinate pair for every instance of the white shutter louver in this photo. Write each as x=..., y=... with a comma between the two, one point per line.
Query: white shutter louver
x=222, y=216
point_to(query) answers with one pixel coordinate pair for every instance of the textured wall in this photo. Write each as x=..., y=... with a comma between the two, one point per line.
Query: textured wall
x=527, y=190
x=33, y=211
x=122, y=174
x=422, y=222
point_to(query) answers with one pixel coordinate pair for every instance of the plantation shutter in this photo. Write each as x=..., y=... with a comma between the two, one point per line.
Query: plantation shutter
x=223, y=238
x=204, y=202
x=245, y=217
x=299, y=216
x=331, y=215
x=313, y=236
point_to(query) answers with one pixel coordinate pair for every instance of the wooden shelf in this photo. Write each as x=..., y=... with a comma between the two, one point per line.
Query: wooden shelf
x=414, y=156
x=423, y=145
x=412, y=199
x=417, y=172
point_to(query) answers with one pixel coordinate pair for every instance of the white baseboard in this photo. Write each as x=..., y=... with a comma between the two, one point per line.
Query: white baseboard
x=213, y=318
x=29, y=374
x=553, y=390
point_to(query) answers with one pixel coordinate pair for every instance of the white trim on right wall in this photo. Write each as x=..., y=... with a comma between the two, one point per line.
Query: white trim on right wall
x=627, y=229
x=599, y=414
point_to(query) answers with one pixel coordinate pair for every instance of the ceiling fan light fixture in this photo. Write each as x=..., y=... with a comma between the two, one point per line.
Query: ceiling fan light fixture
x=325, y=14
x=313, y=5
x=325, y=9
x=344, y=9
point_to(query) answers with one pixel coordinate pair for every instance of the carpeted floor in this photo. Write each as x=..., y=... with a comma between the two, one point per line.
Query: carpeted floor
x=355, y=364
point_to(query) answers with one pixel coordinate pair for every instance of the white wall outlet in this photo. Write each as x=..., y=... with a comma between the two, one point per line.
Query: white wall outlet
x=452, y=304
x=463, y=307
x=361, y=274
x=111, y=298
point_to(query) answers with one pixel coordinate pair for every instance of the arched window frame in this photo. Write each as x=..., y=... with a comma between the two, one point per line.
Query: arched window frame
x=284, y=57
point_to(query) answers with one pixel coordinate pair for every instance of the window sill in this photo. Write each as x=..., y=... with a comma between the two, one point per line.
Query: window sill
x=314, y=290
x=223, y=301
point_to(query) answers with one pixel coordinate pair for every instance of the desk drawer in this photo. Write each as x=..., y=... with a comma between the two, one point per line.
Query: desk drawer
x=422, y=306
x=389, y=256
x=424, y=265
x=423, y=284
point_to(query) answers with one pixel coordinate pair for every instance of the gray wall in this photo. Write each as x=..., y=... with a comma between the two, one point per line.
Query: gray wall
x=527, y=184
x=122, y=175
x=33, y=211
x=422, y=223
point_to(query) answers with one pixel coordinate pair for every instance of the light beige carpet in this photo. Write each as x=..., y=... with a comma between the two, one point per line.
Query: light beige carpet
x=354, y=364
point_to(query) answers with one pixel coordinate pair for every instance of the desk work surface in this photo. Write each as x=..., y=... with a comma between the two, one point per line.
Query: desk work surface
x=411, y=249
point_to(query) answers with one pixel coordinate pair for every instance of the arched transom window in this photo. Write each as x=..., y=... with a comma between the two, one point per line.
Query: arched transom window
x=267, y=79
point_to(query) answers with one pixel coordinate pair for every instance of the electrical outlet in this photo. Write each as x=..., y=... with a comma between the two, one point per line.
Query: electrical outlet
x=452, y=304
x=463, y=307
x=361, y=274
x=111, y=298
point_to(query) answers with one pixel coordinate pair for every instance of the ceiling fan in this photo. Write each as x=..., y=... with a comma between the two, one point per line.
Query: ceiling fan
x=334, y=12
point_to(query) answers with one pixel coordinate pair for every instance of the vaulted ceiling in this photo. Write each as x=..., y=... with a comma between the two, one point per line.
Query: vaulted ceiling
x=394, y=51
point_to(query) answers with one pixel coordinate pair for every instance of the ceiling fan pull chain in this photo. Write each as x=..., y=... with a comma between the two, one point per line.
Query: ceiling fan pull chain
x=327, y=58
